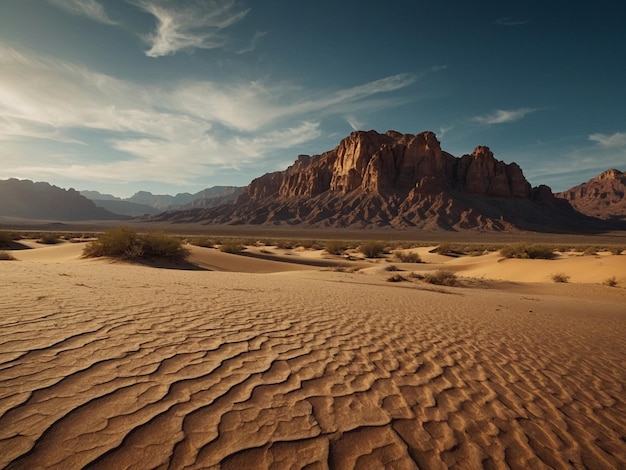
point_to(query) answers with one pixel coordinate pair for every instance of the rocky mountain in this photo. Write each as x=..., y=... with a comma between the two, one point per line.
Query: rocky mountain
x=397, y=180
x=601, y=197
x=29, y=200
x=146, y=203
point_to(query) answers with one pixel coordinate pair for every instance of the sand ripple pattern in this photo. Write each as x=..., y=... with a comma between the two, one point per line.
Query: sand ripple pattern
x=126, y=367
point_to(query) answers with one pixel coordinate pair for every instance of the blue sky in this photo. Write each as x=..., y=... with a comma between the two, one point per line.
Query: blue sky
x=177, y=95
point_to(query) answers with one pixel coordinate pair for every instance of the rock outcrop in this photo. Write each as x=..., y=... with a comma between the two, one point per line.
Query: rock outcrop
x=397, y=180
x=602, y=197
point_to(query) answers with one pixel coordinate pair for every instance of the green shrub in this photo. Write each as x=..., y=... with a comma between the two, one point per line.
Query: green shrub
x=410, y=257
x=5, y=256
x=372, y=249
x=560, y=277
x=335, y=247
x=441, y=278
x=524, y=251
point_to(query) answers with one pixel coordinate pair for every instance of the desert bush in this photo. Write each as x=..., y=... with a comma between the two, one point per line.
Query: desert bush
x=335, y=247
x=49, y=239
x=160, y=245
x=590, y=251
x=524, y=251
x=6, y=238
x=372, y=249
x=232, y=246
x=616, y=250
x=414, y=275
x=396, y=278
x=441, y=278
x=611, y=282
x=204, y=242
x=392, y=267
x=410, y=257
x=124, y=243
x=284, y=244
x=5, y=256
x=560, y=277
x=443, y=249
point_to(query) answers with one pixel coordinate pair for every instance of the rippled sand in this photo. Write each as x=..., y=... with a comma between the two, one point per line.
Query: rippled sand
x=118, y=366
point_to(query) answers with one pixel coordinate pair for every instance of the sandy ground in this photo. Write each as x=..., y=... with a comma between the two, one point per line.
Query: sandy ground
x=267, y=364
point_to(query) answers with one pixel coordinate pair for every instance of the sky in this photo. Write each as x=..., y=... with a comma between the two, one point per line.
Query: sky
x=172, y=96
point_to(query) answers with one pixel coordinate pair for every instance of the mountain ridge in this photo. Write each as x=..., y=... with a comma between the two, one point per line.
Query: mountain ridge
x=396, y=180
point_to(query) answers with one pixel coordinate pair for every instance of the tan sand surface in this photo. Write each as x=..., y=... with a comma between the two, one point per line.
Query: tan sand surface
x=111, y=365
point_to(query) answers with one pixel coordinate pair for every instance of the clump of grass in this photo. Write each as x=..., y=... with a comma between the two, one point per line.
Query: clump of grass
x=124, y=243
x=611, y=281
x=524, y=251
x=6, y=256
x=560, y=277
x=49, y=239
x=335, y=247
x=441, y=278
x=410, y=257
x=414, y=275
x=396, y=278
x=372, y=249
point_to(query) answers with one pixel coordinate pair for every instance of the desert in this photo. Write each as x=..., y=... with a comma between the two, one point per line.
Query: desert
x=256, y=362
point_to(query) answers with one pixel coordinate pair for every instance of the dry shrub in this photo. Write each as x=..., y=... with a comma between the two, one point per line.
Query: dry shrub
x=616, y=250
x=391, y=267
x=524, y=251
x=124, y=243
x=335, y=247
x=6, y=238
x=49, y=239
x=204, y=242
x=590, y=251
x=560, y=277
x=372, y=249
x=396, y=278
x=611, y=281
x=410, y=257
x=232, y=246
x=6, y=256
x=441, y=278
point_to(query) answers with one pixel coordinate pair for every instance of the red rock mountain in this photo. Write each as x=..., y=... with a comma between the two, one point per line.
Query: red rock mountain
x=601, y=197
x=397, y=180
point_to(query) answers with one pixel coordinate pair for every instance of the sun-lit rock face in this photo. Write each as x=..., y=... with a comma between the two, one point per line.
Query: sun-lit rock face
x=603, y=196
x=396, y=180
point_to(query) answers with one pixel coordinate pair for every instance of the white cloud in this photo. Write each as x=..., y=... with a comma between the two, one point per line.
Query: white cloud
x=173, y=133
x=616, y=140
x=92, y=9
x=501, y=116
x=355, y=124
x=444, y=130
x=189, y=25
x=511, y=22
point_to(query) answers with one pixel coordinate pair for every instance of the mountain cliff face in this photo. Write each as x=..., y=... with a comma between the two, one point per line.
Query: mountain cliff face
x=399, y=180
x=601, y=197
x=28, y=200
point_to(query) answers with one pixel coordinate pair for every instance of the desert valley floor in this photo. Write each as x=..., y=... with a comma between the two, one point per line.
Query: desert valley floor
x=266, y=364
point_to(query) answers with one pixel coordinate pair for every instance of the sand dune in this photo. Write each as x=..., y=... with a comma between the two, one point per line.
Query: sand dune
x=121, y=366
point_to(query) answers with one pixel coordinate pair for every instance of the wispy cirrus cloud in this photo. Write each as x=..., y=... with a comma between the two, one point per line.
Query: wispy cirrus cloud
x=506, y=21
x=501, y=116
x=197, y=24
x=92, y=9
x=170, y=132
x=616, y=140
